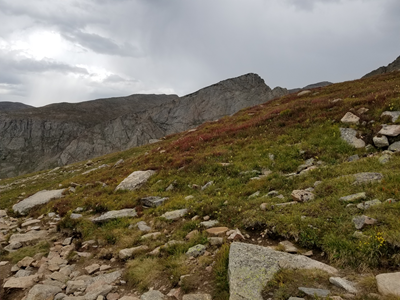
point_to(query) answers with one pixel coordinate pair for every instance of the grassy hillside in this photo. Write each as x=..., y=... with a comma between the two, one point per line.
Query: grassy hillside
x=271, y=140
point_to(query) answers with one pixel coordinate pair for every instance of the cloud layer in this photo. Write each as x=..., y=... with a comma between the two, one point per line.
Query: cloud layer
x=76, y=50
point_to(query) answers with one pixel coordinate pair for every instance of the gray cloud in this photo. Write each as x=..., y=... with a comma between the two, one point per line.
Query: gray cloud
x=118, y=47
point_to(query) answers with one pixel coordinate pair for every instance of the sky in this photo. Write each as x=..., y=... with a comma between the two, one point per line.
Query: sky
x=77, y=50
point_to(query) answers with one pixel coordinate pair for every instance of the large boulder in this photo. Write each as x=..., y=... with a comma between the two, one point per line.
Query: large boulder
x=251, y=267
x=135, y=180
x=39, y=198
x=41, y=292
x=349, y=135
x=389, y=283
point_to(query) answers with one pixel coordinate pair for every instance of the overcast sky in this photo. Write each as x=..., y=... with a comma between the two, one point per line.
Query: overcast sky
x=76, y=50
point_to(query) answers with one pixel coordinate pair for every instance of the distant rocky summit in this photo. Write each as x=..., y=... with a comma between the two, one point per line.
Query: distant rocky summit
x=33, y=139
x=6, y=106
x=394, y=66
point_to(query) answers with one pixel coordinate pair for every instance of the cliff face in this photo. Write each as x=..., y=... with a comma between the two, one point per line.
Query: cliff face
x=59, y=134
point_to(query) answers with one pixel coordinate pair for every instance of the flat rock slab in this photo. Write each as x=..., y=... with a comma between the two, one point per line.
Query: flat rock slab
x=367, y=177
x=302, y=195
x=344, y=284
x=217, y=230
x=196, y=251
x=21, y=282
x=251, y=267
x=390, y=130
x=115, y=214
x=129, y=252
x=388, y=283
x=153, y=295
x=153, y=201
x=209, y=224
x=39, y=198
x=29, y=237
x=135, y=180
x=315, y=292
x=354, y=197
x=197, y=297
x=350, y=118
x=394, y=115
x=349, y=135
x=176, y=214
x=41, y=291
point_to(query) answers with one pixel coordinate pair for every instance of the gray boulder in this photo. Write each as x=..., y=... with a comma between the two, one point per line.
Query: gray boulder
x=380, y=141
x=349, y=135
x=251, y=267
x=394, y=147
x=153, y=201
x=367, y=177
x=115, y=214
x=135, y=180
x=41, y=291
x=390, y=130
x=196, y=251
x=388, y=283
x=39, y=198
x=153, y=295
x=315, y=292
x=350, y=118
x=361, y=221
x=176, y=214
x=353, y=197
x=344, y=284
x=394, y=115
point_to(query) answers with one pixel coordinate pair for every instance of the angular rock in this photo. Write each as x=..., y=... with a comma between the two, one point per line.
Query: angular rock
x=394, y=115
x=344, y=284
x=114, y=214
x=142, y=226
x=354, y=197
x=153, y=201
x=235, y=235
x=368, y=204
x=361, y=221
x=192, y=234
x=75, y=286
x=29, y=237
x=388, y=283
x=129, y=252
x=176, y=214
x=196, y=251
x=29, y=223
x=354, y=157
x=153, y=295
x=25, y=262
x=302, y=93
x=106, y=278
x=153, y=236
x=384, y=159
x=251, y=267
x=215, y=241
x=42, y=292
x=289, y=247
x=349, y=135
x=74, y=216
x=367, y=177
x=209, y=224
x=390, y=130
x=59, y=277
x=135, y=180
x=208, y=184
x=21, y=283
x=315, y=292
x=394, y=147
x=97, y=289
x=302, y=196
x=23, y=273
x=350, y=118
x=217, y=230
x=92, y=268
x=197, y=297
x=39, y=198
x=380, y=141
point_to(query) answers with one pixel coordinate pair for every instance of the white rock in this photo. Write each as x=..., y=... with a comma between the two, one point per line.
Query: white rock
x=39, y=198
x=350, y=118
x=135, y=180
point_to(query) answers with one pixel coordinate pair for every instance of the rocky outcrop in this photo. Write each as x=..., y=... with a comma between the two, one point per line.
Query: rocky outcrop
x=394, y=66
x=33, y=139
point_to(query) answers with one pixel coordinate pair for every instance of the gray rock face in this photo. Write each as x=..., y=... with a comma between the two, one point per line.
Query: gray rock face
x=37, y=138
x=350, y=136
x=135, y=180
x=41, y=291
x=388, y=283
x=39, y=198
x=114, y=214
x=252, y=266
x=394, y=66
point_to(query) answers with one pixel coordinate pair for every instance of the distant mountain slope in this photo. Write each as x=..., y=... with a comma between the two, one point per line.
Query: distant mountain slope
x=394, y=66
x=6, y=106
x=63, y=133
x=311, y=86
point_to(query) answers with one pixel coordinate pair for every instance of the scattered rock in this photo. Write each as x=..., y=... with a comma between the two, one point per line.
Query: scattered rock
x=92, y=268
x=142, y=226
x=192, y=234
x=153, y=295
x=114, y=214
x=129, y=252
x=37, y=199
x=384, y=159
x=196, y=251
x=197, y=297
x=394, y=115
x=367, y=177
x=176, y=214
x=302, y=93
x=354, y=197
x=381, y=141
x=152, y=236
x=215, y=241
x=390, y=130
x=388, y=283
x=235, y=235
x=344, y=284
x=41, y=291
x=208, y=184
x=302, y=195
x=289, y=247
x=153, y=201
x=135, y=180
x=353, y=158
x=251, y=267
x=350, y=136
x=394, y=147
x=217, y=230
x=315, y=292
x=368, y=204
x=21, y=283
x=350, y=118
x=361, y=221
x=209, y=224
x=29, y=237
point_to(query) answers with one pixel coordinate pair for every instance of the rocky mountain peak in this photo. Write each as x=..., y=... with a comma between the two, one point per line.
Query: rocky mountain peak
x=393, y=66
